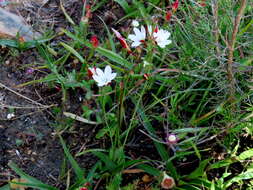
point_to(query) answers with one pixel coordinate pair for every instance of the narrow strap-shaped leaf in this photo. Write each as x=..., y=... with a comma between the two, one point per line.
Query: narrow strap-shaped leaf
x=78, y=171
x=33, y=182
x=73, y=51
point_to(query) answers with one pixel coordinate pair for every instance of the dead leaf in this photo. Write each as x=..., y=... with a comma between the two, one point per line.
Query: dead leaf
x=146, y=178
x=17, y=186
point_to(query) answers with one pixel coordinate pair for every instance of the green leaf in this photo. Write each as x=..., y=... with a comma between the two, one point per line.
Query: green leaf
x=149, y=169
x=245, y=155
x=114, y=57
x=66, y=14
x=124, y=5
x=221, y=163
x=32, y=182
x=109, y=164
x=10, y=43
x=200, y=170
x=78, y=171
x=6, y=187
x=48, y=78
x=74, y=52
x=243, y=176
x=202, y=183
x=212, y=185
x=26, y=45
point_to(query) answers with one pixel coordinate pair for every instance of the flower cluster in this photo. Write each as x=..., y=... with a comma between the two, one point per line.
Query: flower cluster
x=160, y=36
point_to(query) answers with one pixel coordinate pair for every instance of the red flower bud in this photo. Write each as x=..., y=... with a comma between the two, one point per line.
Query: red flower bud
x=91, y=71
x=146, y=76
x=122, y=41
x=58, y=88
x=202, y=3
x=156, y=29
x=168, y=16
x=175, y=5
x=94, y=41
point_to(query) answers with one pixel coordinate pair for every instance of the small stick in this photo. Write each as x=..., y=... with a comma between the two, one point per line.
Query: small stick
x=22, y=96
x=231, y=48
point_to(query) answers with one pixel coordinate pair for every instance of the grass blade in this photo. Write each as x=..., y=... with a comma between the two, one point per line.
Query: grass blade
x=74, y=52
x=78, y=171
x=33, y=182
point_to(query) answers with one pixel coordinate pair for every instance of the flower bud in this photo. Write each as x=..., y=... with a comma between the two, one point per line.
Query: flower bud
x=135, y=23
x=167, y=182
x=172, y=139
x=94, y=41
x=175, y=5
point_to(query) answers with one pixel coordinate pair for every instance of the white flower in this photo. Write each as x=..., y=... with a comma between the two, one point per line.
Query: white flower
x=161, y=37
x=138, y=37
x=135, y=23
x=103, y=78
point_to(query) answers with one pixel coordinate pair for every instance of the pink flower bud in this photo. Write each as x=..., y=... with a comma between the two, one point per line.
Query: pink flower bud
x=171, y=139
x=167, y=182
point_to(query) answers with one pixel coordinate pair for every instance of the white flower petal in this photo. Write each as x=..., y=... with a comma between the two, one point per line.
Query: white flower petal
x=162, y=45
x=97, y=78
x=101, y=84
x=99, y=72
x=136, y=43
x=143, y=32
x=112, y=76
x=133, y=37
x=137, y=31
x=108, y=71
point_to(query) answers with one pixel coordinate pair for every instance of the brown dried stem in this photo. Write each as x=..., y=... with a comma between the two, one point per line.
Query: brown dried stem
x=231, y=48
x=216, y=27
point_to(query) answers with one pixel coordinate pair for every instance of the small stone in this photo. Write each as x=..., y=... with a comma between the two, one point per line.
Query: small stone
x=10, y=115
x=12, y=25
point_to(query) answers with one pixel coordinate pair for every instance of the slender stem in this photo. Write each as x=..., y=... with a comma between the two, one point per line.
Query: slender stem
x=231, y=48
x=215, y=8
